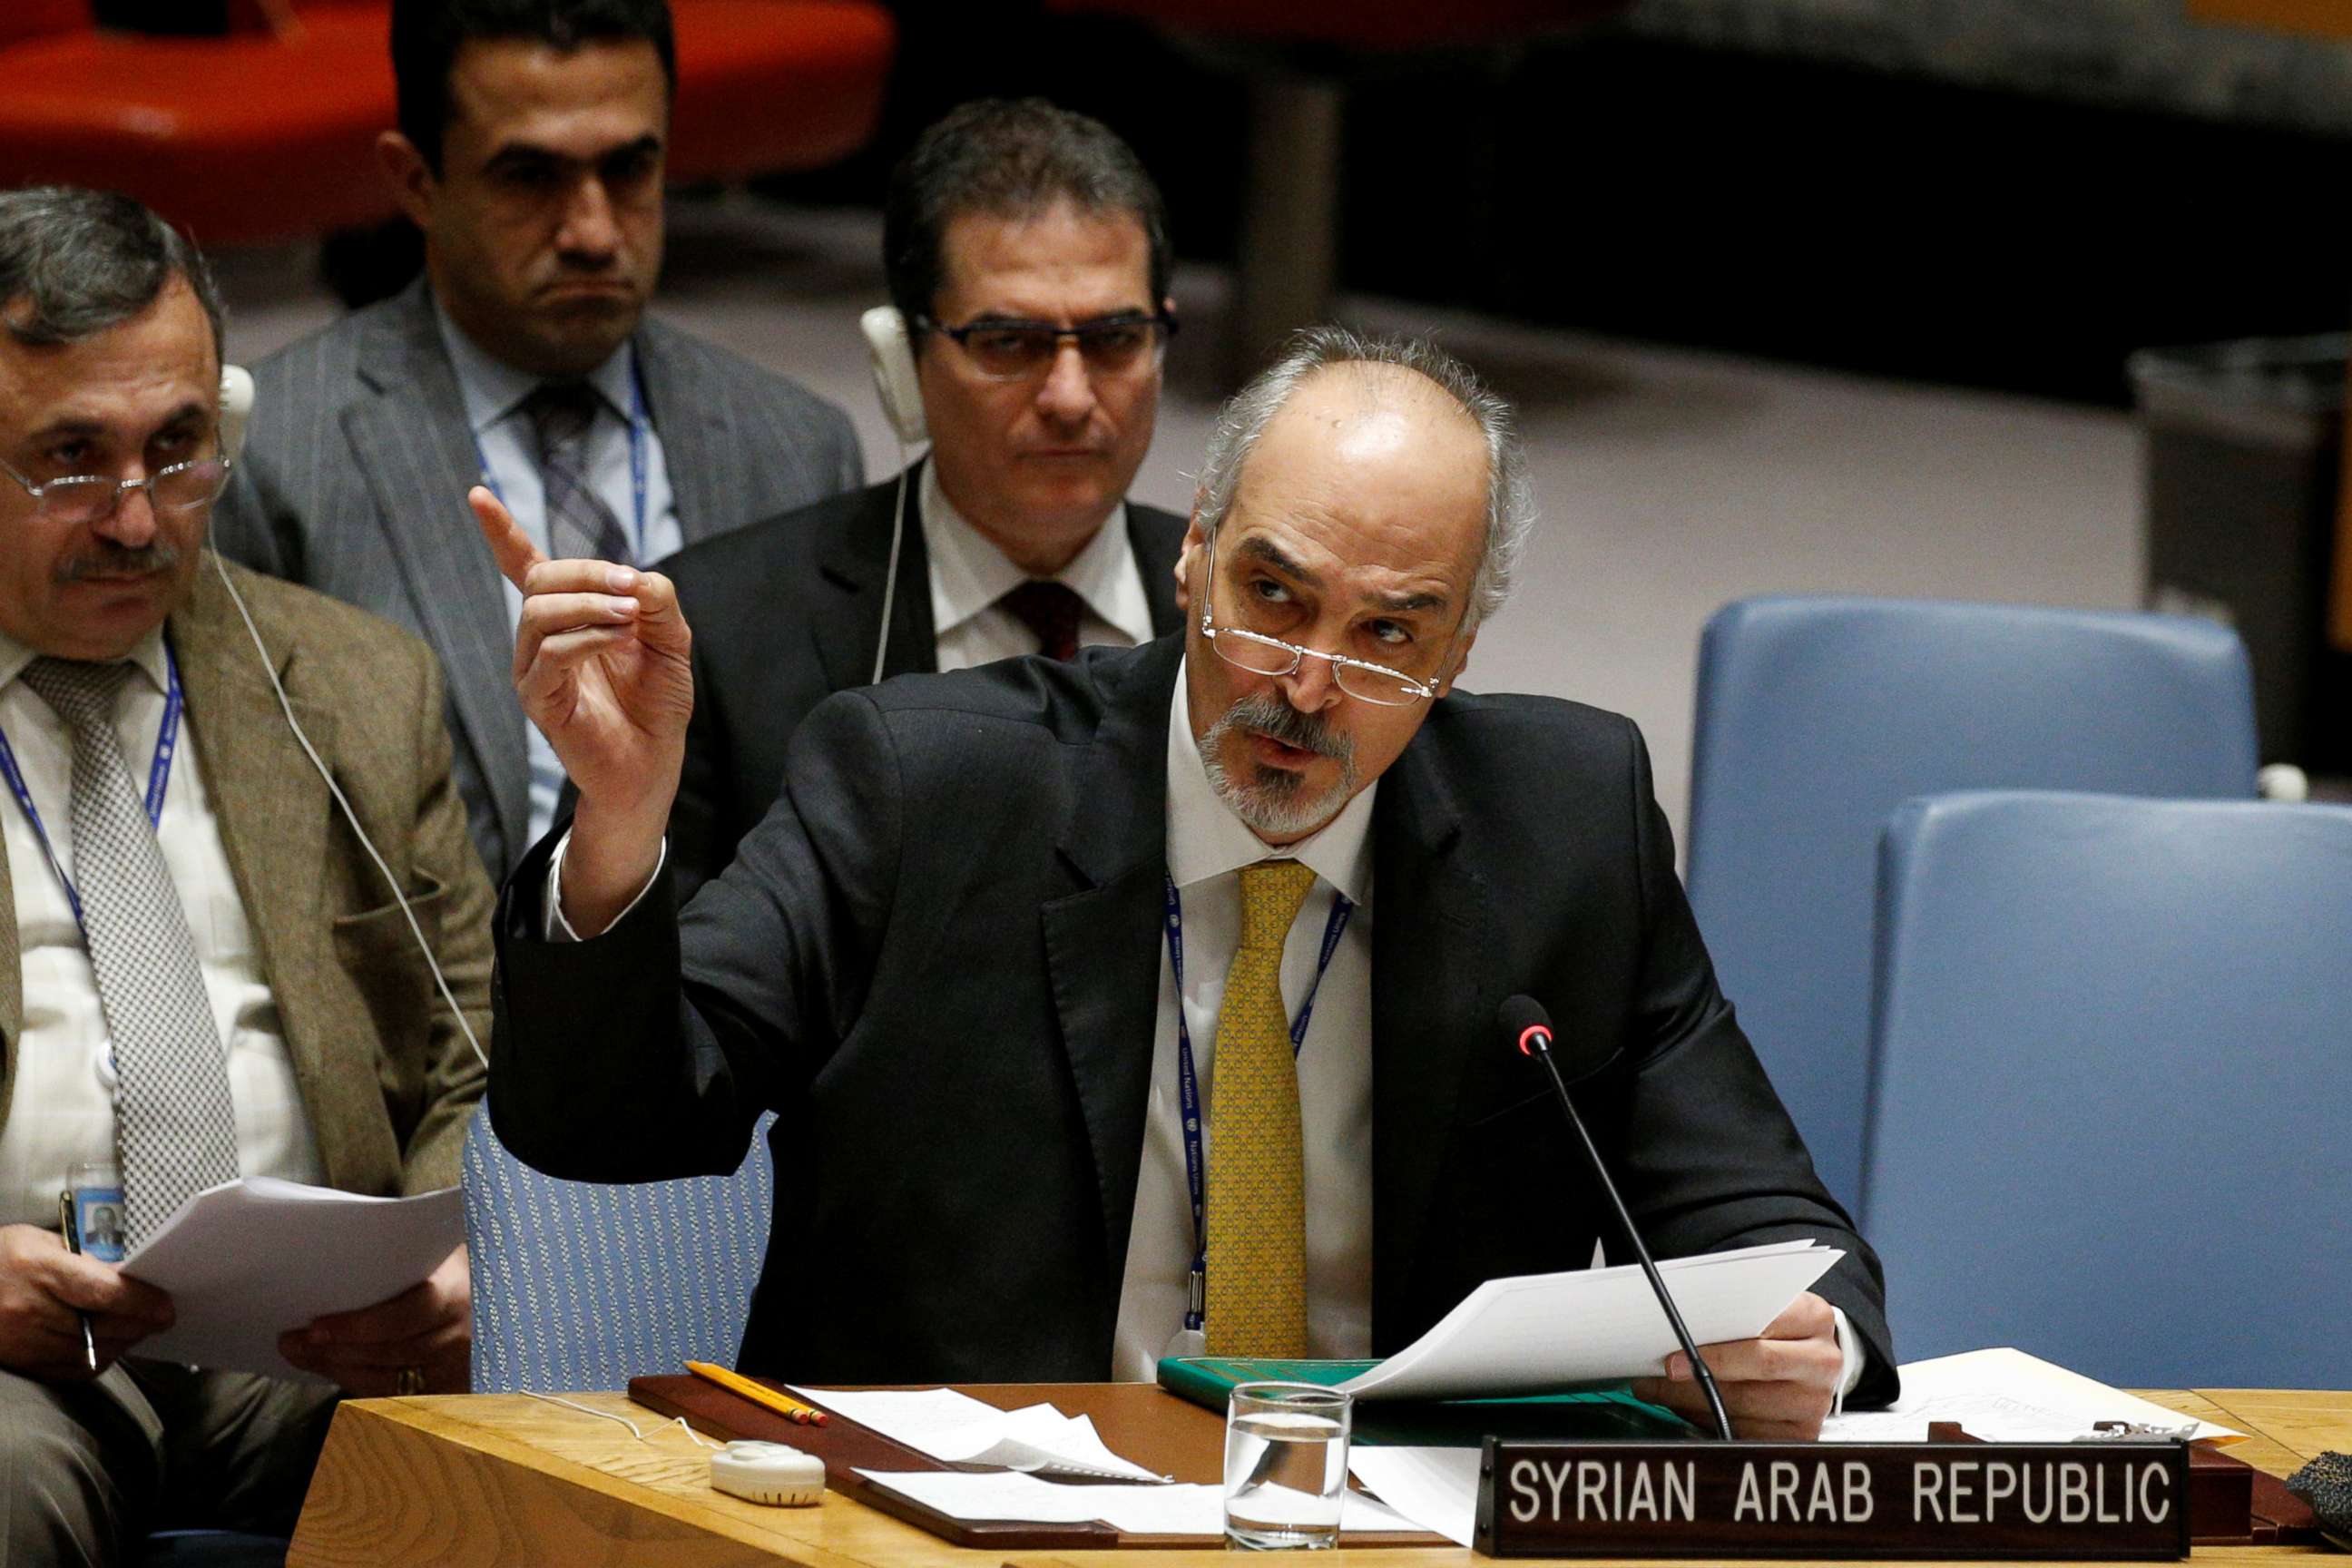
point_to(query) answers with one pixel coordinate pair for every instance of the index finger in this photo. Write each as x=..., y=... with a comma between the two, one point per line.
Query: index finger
x=509, y=545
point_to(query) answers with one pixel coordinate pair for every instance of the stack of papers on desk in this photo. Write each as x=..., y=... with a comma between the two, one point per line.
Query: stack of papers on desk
x=2006, y=1396
x=1135, y=1510
x=957, y=1429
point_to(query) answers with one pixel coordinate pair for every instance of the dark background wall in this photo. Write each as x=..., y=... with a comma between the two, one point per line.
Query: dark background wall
x=1810, y=213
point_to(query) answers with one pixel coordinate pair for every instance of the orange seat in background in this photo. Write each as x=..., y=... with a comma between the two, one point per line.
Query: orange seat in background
x=768, y=86
x=253, y=138
x=238, y=139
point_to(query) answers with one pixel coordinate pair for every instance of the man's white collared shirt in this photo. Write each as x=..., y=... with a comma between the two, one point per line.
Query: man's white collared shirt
x=508, y=447
x=970, y=575
x=1207, y=847
x=62, y=1110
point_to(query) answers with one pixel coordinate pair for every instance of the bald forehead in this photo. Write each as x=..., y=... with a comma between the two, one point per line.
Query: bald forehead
x=1365, y=421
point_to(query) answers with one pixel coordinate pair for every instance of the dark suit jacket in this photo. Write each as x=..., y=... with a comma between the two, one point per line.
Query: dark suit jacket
x=939, y=957
x=388, y=1079
x=787, y=612
x=354, y=482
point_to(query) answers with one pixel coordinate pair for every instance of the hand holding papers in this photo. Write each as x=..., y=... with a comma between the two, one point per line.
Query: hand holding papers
x=246, y=1260
x=1543, y=1333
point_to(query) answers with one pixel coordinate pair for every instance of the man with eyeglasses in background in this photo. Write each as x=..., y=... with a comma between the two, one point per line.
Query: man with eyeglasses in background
x=1038, y=963
x=1027, y=256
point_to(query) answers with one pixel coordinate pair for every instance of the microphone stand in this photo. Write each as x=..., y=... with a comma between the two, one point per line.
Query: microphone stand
x=1539, y=1041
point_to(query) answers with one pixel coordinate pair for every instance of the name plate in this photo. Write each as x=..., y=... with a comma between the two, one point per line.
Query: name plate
x=2110, y=1501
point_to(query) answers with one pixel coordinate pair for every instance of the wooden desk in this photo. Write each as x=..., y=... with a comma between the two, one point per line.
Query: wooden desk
x=508, y=1480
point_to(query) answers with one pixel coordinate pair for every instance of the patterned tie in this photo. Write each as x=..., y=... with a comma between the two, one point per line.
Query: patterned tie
x=175, y=1131
x=578, y=522
x=1052, y=611
x=1257, y=1180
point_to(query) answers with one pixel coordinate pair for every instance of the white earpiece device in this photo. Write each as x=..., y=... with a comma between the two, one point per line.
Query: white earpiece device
x=893, y=354
x=235, y=408
x=895, y=381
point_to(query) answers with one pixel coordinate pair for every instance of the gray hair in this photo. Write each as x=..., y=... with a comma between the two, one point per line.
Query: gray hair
x=1510, y=500
x=75, y=262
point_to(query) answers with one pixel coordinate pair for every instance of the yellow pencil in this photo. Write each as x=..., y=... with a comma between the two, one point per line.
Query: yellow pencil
x=758, y=1393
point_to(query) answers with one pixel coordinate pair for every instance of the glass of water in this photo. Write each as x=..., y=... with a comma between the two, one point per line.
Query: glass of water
x=1286, y=1464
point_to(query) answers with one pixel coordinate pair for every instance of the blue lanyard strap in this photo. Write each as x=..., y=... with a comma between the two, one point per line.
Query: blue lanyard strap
x=159, y=782
x=638, y=424
x=1188, y=1083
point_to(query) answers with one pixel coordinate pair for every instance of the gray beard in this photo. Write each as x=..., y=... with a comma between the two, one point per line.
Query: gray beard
x=1273, y=801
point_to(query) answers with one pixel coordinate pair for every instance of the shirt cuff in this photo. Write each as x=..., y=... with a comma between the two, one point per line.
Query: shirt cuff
x=1850, y=1347
x=558, y=928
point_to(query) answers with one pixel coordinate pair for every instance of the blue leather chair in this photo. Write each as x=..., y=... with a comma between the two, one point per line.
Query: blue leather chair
x=578, y=1284
x=1817, y=717
x=2109, y=1048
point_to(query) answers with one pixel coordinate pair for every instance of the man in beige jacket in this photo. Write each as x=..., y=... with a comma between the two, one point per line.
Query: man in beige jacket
x=203, y=974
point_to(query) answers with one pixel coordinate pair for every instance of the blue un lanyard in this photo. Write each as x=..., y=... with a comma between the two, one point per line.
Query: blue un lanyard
x=1188, y=1084
x=159, y=780
x=638, y=424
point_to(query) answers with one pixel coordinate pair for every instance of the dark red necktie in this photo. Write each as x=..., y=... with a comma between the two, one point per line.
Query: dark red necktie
x=1052, y=611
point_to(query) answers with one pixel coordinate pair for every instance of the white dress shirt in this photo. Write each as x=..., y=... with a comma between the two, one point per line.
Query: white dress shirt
x=508, y=447
x=1207, y=847
x=970, y=575
x=63, y=1110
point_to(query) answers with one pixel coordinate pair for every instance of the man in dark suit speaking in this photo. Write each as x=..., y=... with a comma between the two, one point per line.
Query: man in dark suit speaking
x=1028, y=261
x=1003, y=924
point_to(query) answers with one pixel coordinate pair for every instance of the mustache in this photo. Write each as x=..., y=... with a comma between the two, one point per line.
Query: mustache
x=1269, y=715
x=108, y=560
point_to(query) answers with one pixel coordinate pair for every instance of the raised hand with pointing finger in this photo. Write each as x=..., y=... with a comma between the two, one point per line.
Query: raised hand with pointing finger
x=601, y=665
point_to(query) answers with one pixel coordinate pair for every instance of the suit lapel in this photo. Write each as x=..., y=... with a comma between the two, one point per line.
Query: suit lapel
x=847, y=611
x=1432, y=942
x=412, y=443
x=268, y=801
x=699, y=454
x=1102, y=942
x=1156, y=550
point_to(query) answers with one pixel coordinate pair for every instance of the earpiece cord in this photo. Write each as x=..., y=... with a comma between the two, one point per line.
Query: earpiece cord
x=890, y=578
x=269, y=668
x=677, y=1421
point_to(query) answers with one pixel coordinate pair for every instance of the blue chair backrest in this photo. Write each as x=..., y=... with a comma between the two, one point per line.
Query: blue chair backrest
x=2110, y=1043
x=578, y=1284
x=1817, y=717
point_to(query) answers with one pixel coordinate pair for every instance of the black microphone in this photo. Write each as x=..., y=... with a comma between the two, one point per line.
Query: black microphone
x=1529, y=1027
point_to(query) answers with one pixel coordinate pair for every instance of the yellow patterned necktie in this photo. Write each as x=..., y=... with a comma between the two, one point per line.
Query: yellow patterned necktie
x=1257, y=1179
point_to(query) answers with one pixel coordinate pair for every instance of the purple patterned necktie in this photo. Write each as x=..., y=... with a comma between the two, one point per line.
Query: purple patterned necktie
x=579, y=524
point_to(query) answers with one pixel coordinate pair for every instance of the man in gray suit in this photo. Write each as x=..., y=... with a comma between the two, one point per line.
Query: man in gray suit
x=530, y=152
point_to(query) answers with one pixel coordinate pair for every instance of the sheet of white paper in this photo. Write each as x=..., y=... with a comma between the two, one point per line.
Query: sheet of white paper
x=1540, y=1332
x=1138, y=1510
x=1437, y=1489
x=958, y=1429
x=2003, y=1395
x=246, y=1260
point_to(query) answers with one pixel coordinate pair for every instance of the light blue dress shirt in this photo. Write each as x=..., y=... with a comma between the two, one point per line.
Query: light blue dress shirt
x=494, y=392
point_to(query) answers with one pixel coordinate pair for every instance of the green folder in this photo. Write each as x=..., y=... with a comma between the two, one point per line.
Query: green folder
x=1592, y=1413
